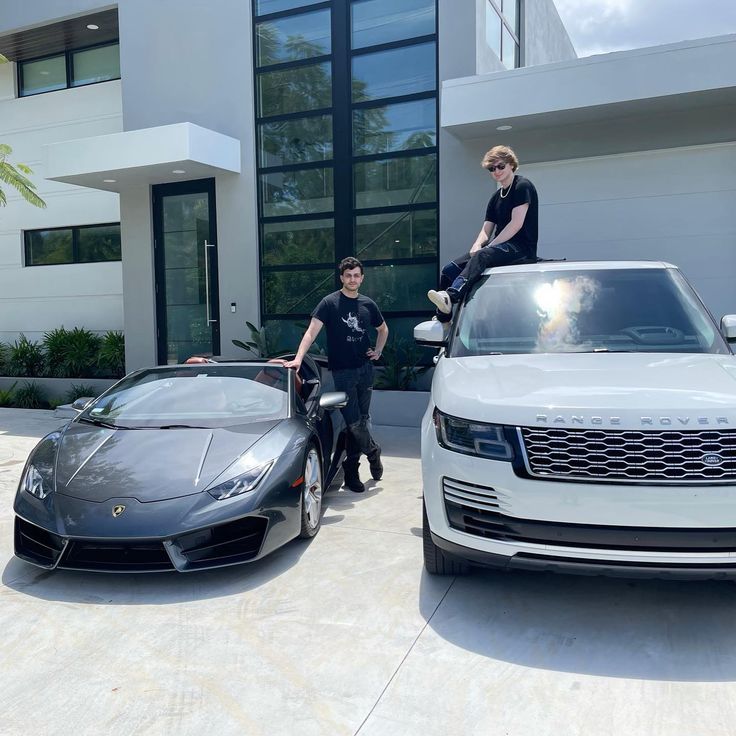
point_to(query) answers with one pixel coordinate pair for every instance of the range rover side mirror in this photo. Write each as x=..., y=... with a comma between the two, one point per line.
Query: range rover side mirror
x=728, y=327
x=333, y=400
x=431, y=334
x=82, y=402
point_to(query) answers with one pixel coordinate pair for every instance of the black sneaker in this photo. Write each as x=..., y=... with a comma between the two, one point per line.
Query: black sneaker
x=376, y=466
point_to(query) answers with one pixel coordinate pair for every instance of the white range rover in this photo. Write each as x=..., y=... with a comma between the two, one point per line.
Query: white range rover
x=582, y=419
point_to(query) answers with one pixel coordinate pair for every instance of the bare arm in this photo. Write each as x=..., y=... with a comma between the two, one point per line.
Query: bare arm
x=483, y=236
x=518, y=215
x=375, y=353
x=310, y=336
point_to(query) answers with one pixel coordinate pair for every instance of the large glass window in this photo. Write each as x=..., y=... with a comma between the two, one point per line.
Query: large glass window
x=347, y=162
x=396, y=181
x=295, y=141
x=383, y=21
x=396, y=72
x=502, y=30
x=297, y=192
x=44, y=75
x=86, y=244
x=88, y=66
x=294, y=37
x=298, y=242
x=296, y=89
x=400, y=127
x=96, y=65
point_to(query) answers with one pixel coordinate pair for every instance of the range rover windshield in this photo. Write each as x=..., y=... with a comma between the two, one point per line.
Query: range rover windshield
x=648, y=310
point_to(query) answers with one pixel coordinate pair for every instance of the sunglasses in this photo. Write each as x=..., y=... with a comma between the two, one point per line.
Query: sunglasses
x=500, y=167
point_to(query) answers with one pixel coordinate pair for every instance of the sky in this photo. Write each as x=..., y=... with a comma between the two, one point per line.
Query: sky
x=599, y=26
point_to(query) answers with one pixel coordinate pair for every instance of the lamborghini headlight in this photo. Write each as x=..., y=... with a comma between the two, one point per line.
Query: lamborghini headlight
x=33, y=483
x=472, y=438
x=242, y=483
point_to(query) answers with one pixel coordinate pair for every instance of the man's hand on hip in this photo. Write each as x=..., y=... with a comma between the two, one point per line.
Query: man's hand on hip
x=373, y=354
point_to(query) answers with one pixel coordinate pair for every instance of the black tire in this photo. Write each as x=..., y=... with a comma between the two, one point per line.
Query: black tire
x=311, y=503
x=436, y=562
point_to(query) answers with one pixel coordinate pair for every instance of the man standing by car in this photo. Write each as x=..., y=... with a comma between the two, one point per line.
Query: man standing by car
x=347, y=316
x=513, y=212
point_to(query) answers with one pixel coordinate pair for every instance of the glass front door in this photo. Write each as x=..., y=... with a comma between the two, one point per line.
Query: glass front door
x=186, y=270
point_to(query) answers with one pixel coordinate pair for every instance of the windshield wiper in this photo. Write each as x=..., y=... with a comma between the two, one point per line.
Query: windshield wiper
x=178, y=426
x=100, y=423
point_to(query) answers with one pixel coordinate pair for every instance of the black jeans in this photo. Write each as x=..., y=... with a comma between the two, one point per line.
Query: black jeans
x=357, y=383
x=489, y=256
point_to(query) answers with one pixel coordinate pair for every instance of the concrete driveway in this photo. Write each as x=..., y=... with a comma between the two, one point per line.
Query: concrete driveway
x=347, y=635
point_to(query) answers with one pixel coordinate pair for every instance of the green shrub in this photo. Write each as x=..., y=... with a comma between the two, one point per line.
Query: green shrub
x=26, y=358
x=4, y=356
x=80, y=353
x=80, y=389
x=6, y=395
x=111, y=357
x=30, y=396
x=55, y=345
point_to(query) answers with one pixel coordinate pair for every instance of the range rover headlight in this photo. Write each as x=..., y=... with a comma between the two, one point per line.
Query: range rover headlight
x=472, y=438
x=242, y=483
x=33, y=483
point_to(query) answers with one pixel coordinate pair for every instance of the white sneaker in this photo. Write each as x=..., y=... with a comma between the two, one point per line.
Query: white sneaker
x=441, y=300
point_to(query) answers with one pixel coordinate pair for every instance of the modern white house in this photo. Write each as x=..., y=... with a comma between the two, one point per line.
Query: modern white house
x=207, y=163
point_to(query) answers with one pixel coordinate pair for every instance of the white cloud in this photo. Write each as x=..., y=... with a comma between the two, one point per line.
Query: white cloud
x=598, y=26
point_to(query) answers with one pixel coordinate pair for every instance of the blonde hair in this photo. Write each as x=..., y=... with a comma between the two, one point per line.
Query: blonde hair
x=500, y=153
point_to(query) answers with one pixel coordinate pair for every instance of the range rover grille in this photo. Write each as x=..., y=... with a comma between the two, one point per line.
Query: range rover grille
x=671, y=456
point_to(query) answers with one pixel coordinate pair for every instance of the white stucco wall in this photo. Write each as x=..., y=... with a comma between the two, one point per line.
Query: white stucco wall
x=674, y=204
x=36, y=299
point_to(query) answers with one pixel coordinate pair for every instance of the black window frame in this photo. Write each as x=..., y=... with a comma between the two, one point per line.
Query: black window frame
x=344, y=213
x=68, y=55
x=27, y=249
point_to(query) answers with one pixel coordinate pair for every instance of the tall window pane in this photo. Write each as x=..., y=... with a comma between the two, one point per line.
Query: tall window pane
x=295, y=90
x=45, y=75
x=396, y=181
x=295, y=141
x=398, y=287
x=295, y=292
x=399, y=127
x=382, y=21
x=96, y=65
x=493, y=30
x=508, y=49
x=49, y=247
x=402, y=71
x=274, y=6
x=292, y=243
x=100, y=243
x=509, y=12
x=396, y=235
x=295, y=37
x=297, y=192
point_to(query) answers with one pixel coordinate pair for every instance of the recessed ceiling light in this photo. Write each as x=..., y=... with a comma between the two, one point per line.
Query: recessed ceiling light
x=504, y=127
x=93, y=27
x=44, y=72
x=109, y=181
x=178, y=171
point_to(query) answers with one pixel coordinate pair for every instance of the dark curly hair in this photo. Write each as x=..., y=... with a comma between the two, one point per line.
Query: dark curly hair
x=347, y=263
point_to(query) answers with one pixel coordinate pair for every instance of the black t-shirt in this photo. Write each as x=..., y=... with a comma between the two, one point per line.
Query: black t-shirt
x=499, y=208
x=346, y=322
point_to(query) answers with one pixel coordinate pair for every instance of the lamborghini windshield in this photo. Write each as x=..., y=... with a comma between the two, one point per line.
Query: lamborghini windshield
x=650, y=310
x=194, y=396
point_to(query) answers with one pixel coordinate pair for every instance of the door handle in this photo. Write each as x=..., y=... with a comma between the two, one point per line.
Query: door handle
x=207, y=281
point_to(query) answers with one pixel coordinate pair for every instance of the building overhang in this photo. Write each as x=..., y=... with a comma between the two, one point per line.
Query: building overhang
x=662, y=96
x=148, y=156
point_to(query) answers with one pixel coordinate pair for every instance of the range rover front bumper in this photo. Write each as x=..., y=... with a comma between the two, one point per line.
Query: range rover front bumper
x=482, y=511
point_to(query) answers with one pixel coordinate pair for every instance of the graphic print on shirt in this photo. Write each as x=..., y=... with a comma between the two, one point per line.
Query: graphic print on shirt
x=353, y=323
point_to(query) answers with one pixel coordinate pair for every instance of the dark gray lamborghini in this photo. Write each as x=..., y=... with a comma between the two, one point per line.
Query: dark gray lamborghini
x=182, y=468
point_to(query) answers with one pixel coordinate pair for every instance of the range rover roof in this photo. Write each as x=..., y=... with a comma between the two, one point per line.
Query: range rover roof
x=578, y=266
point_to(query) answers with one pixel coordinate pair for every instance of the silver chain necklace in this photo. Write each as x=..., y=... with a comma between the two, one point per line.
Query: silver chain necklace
x=503, y=196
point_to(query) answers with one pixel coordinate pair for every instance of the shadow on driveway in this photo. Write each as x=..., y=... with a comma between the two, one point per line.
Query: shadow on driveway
x=637, y=629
